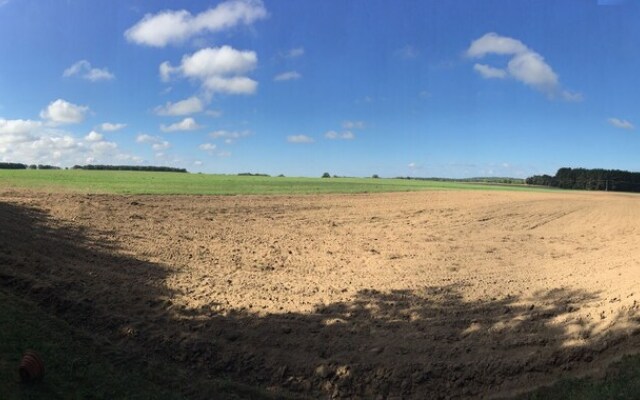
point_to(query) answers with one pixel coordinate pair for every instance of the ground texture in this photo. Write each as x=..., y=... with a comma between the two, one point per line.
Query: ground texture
x=408, y=295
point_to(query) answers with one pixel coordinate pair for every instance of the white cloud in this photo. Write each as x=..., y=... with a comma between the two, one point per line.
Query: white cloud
x=197, y=163
x=109, y=127
x=333, y=135
x=299, y=139
x=4, y=3
x=169, y=26
x=353, y=124
x=93, y=136
x=229, y=136
x=84, y=70
x=188, y=106
x=207, y=147
x=294, y=53
x=162, y=145
x=235, y=85
x=287, y=76
x=32, y=142
x=489, y=72
x=187, y=124
x=219, y=69
x=60, y=112
x=144, y=138
x=156, y=142
x=621, y=123
x=525, y=65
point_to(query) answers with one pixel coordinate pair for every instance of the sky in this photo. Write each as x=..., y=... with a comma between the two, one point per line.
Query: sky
x=422, y=88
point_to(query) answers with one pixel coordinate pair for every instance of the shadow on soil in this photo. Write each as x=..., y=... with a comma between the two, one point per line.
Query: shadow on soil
x=430, y=343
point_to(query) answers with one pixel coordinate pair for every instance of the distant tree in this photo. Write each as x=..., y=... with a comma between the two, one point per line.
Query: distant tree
x=375, y=176
x=33, y=166
x=281, y=176
x=326, y=175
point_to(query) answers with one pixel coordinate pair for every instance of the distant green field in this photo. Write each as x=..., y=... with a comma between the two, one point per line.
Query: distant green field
x=128, y=182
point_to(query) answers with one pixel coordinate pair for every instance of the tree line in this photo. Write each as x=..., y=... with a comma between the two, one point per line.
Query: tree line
x=590, y=179
x=128, y=168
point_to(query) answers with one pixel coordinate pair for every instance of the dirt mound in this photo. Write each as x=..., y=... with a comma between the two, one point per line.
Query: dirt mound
x=410, y=295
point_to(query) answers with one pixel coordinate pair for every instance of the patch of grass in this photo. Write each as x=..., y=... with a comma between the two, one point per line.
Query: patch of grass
x=77, y=368
x=622, y=381
x=130, y=182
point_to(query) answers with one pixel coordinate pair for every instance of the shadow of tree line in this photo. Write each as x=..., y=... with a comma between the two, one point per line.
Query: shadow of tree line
x=428, y=343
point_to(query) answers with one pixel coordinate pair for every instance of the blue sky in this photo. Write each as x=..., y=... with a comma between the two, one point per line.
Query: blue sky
x=361, y=87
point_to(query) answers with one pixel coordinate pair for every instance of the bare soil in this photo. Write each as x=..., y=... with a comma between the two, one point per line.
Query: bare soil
x=406, y=295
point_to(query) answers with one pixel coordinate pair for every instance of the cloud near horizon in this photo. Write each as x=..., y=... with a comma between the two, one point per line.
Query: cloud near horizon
x=61, y=112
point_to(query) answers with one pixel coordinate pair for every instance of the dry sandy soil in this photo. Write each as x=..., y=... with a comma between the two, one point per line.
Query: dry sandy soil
x=413, y=295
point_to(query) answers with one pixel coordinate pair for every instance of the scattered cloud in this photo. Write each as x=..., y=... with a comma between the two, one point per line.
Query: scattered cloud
x=621, y=123
x=295, y=52
x=525, y=65
x=333, y=135
x=407, y=52
x=187, y=124
x=214, y=113
x=33, y=142
x=61, y=112
x=219, y=69
x=188, y=106
x=109, y=127
x=84, y=70
x=93, y=136
x=413, y=166
x=207, y=147
x=172, y=27
x=287, y=76
x=197, y=163
x=424, y=94
x=299, y=139
x=353, y=124
x=157, y=143
x=4, y=3
x=229, y=136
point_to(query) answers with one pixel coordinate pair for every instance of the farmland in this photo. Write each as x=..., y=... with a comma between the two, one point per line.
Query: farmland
x=127, y=182
x=424, y=294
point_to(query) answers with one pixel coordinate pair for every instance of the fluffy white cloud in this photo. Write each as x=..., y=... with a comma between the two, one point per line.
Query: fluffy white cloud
x=32, y=142
x=93, y=136
x=187, y=124
x=621, y=123
x=353, y=124
x=169, y=26
x=62, y=112
x=525, y=65
x=84, y=70
x=333, y=135
x=109, y=127
x=287, y=76
x=235, y=85
x=188, y=106
x=163, y=145
x=219, y=69
x=299, y=139
x=489, y=72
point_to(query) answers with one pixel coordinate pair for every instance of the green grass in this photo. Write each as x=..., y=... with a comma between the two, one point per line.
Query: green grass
x=129, y=182
x=76, y=367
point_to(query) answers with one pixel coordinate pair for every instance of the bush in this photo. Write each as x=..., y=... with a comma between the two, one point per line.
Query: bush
x=326, y=175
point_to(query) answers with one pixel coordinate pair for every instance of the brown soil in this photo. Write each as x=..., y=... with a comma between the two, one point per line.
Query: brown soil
x=413, y=295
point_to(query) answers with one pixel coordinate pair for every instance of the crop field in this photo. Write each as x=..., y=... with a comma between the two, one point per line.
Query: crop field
x=421, y=294
x=129, y=182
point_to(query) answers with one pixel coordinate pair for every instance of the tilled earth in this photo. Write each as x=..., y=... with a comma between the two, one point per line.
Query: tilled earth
x=451, y=294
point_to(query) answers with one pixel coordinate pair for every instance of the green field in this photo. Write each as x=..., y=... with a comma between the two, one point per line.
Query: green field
x=129, y=182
